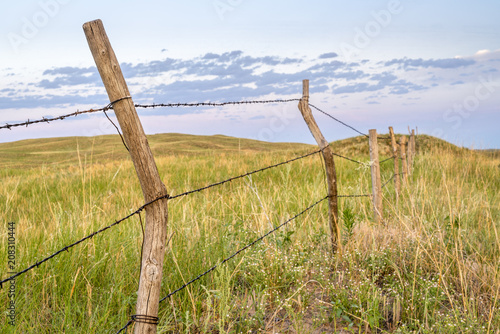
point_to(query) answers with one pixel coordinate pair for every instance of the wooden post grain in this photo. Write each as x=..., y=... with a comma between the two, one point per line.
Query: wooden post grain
x=397, y=183
x=404, y=165
x=331, y=175
x=376, y=181
x=155, y=233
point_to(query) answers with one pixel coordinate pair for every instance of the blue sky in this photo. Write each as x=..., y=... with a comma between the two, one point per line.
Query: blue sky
x=434, y=65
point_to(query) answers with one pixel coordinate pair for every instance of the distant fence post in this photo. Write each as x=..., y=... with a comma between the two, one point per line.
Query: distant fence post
x=409, y=154
x=331, y=174
x=397, y=183
x=155, y=234
x=376, y=181
x=413, y=144
x=404, y=165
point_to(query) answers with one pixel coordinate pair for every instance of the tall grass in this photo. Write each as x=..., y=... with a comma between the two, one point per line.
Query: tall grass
x=433, y=266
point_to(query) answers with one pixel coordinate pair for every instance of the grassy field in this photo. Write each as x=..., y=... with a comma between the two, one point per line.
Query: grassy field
x=433, y=267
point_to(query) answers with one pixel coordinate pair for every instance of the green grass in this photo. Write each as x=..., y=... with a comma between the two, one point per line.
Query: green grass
x=433, y=267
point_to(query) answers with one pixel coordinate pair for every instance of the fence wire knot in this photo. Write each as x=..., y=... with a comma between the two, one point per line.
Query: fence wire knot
x=144, y=319
x=111, y=104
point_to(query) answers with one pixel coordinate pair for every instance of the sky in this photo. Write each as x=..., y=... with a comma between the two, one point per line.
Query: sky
x=433, y=66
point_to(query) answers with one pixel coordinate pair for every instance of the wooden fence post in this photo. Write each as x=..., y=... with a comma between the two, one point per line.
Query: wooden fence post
x=413, y=143
x=155, y=233
x=376, y=181
x=397, y=183
x=404, y=165
x=411, y=151
x=409, y=157
x=331, y=174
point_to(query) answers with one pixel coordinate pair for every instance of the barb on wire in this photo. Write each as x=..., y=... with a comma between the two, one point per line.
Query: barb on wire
x=336, y=119
x=47, y=120
x=110, y=106
x=211, y=104
x=350, y=196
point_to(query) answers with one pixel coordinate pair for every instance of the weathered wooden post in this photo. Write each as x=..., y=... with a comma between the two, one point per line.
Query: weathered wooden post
x=397, y=183
x=331, y=175
x=413, y=143
x=404, y=165
x=409, y=153
x=376, y=181
x=155, y=233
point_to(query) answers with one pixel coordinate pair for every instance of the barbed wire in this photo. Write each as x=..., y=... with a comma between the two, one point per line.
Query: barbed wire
x=212, y=104
x=157, y=105
x=244, y=248
x=66, y=248
x=346, y=158
x=387, y=182
x=351, y=196
x=336, y=119
x=230, y=257
x=135, y=318
x=140, y=209
x=243, y=175
x=390, y=158
x=47, y=120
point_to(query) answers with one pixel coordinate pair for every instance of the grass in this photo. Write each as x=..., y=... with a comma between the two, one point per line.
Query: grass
x=433, y=267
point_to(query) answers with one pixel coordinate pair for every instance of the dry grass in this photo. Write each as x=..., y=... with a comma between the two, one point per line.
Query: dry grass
x=433, y=267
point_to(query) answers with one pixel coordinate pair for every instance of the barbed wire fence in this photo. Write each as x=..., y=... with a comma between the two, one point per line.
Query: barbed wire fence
x=147, y=319
x=143, y=106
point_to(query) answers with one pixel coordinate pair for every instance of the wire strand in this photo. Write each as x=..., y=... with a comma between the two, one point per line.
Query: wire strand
x=140, y=209
x=336, y=119
x=157, y=105
x=242, y=249
x=390, y=158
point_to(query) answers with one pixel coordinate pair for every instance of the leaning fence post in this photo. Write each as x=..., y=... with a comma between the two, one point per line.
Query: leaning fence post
x=331, y=175
x=376, y=181
x=397, y=183
x=404, y=165
x=155, y=233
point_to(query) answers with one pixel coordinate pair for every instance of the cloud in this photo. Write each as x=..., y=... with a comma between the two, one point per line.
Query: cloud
x=449, y=63
x=358, y=88
x=385, y=77
x=69, y=76
x=234, y=76
x=328, y=55
x=50, y=101
x=380, y=81
x=329, y=66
